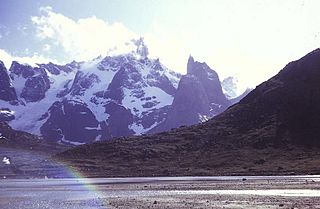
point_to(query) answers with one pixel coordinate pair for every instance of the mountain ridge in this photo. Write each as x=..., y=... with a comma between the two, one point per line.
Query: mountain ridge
x=107, y=97
x=268, y=132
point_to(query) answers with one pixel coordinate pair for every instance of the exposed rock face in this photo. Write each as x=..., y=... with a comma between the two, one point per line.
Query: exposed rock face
x=199, y=97
x=36, y=86
x=209, y=80
x=70, y=121
x=190, y=101
x=7, y=91
x=82, y=82
x=119, y=120
x=57, y=69
x=31, y=83
x=18, y=69
x=125, y=77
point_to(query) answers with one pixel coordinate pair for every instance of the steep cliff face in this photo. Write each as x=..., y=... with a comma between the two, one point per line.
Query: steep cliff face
x=199, y=97
x=209, y=80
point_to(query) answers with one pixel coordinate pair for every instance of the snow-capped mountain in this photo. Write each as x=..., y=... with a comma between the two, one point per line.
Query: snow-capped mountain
x=80, y=102
x=230, y=87
x=114, y=96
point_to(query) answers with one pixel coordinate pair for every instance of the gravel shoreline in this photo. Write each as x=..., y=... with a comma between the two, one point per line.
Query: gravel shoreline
x=266, y=192
x=196, y=199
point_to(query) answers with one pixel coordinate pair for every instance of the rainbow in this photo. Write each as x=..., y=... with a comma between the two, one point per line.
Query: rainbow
x=90, y=185
x=58, y=172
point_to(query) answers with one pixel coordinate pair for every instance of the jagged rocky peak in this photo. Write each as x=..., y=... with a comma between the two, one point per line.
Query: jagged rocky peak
x=190, y=105
x=22, y=70
x=56, y=69
x=199, y=97
x=190, y=64
x=210, y=81
x=200, y=70
x=31, y=83
x=142, y=49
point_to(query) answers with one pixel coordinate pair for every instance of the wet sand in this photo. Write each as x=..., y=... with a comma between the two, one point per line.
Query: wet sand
x=174, y=192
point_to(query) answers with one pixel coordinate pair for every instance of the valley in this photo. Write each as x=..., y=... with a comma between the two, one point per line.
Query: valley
x=159, y=104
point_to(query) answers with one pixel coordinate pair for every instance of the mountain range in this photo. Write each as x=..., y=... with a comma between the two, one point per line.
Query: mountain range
x=273, y=130
x=108, y=97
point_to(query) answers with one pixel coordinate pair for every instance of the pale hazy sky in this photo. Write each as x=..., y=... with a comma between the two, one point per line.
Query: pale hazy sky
x=251, y=39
